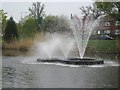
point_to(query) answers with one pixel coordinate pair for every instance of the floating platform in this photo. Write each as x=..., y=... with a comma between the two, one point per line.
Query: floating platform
x=73, y=61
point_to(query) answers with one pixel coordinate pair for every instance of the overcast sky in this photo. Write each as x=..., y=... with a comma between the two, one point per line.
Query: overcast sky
x=55, y=8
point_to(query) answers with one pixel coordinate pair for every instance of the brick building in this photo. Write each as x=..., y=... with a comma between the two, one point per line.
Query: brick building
x=108, y=25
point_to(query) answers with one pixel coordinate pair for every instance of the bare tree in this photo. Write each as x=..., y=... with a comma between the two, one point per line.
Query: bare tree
x=37, y=11
x=91, y=11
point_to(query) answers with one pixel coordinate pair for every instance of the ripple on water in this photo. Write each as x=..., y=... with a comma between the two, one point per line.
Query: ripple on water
x=12, y=77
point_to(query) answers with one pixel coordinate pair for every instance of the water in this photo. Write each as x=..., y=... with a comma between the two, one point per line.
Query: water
x=82, y=29
x=67, y=46
x=24, y=71
x=56, y=45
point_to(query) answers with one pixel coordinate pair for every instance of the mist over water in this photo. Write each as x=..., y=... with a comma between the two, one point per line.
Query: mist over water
x=55, y=46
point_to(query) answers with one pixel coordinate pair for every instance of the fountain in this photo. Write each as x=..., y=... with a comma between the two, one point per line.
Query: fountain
x=56, y=44
x=66, y=47
x=49, y=47
x=82, y=29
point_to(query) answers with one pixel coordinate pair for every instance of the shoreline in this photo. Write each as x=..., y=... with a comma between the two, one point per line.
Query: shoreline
x=13, y=52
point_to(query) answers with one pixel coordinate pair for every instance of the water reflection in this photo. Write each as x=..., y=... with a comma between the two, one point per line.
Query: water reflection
x=14, y=53
x=14, y=78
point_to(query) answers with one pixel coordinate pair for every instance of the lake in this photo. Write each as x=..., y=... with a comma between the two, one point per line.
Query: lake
x=23, y=71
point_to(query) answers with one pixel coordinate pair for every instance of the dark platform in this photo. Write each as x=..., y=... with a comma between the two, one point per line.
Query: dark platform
x=73, y=61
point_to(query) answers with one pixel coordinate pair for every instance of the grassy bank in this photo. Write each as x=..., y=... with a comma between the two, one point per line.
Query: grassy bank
x=103, y=46
x=23, y=44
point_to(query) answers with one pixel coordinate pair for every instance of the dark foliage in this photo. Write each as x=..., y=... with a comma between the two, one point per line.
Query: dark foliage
x=11, y=33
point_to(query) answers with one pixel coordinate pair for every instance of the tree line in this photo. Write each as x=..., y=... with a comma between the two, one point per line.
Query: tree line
x=38, y=22
x=35, y=22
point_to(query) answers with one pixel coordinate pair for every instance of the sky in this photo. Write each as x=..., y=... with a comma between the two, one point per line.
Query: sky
x=20, y=9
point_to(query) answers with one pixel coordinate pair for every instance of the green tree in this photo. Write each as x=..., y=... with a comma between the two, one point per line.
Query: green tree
x=56, y=24
x=37, y=12
x=11, y=33
x=3, y=20
x=50, y=22
x=110, y=8
x=28, y=27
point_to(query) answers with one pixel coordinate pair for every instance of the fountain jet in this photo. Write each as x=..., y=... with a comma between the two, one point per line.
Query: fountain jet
x=82, y=29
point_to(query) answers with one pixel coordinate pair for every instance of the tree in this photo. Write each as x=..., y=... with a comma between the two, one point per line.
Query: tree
x=63, y=24
x=56, y=24
x=37, y=11
x=29, y=27
x=91, y=11
x=50, y=22
x=11, y=33
x=3, y=20
x=110, y=8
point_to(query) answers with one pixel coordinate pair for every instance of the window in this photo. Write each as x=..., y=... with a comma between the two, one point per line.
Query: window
x=98, y=32
x=107, y=23
x=106, y=31
x=117, y=23
x=117, y=32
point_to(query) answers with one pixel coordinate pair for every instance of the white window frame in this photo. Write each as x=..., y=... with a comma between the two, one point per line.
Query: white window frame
x=98, y=32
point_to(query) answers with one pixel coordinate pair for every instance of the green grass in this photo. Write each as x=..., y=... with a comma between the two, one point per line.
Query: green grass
x=103, y=46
